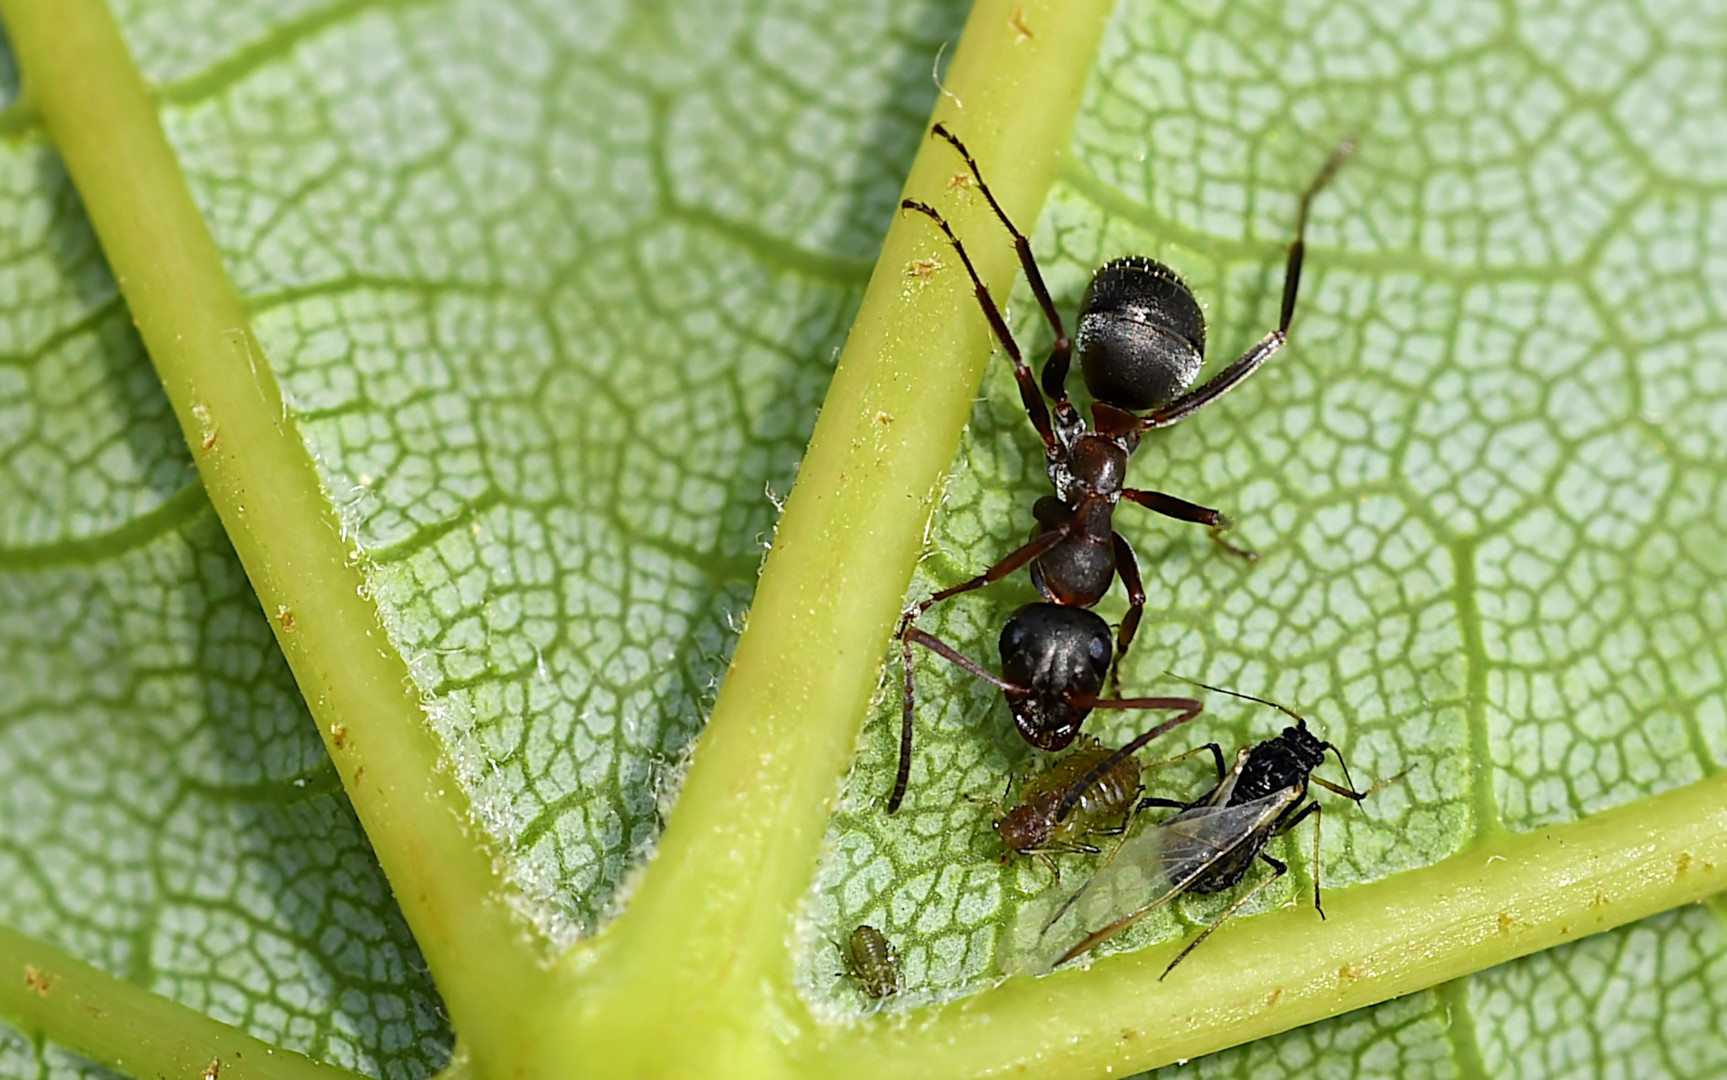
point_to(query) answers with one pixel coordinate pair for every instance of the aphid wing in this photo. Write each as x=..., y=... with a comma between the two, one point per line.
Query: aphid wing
x=1132, y=872
x=1164, y=860
x=1196, y=839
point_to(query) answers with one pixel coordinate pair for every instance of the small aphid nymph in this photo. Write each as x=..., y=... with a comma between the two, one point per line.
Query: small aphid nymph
x=1032, y=826
x=871, y=960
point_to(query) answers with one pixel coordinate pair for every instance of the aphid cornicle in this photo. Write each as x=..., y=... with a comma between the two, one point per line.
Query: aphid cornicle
x=1031, y=827
x=1141, y=342
x=1211, y=843
x=871, y=960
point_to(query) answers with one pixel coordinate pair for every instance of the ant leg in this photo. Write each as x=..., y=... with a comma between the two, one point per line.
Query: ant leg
x=1061, y=353
x=1028, y=394
x=1128, y=568
x=953, y=656
x=1278, y=868
x=902, y=772
x=1015, y=559
x=1217, y=523
x=1190, y=708
x=1249, y=362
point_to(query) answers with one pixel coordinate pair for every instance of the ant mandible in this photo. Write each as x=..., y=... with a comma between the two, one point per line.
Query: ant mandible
x=1141, y=341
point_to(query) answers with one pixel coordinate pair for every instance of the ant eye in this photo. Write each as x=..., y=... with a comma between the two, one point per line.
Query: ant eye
x=1099, y=648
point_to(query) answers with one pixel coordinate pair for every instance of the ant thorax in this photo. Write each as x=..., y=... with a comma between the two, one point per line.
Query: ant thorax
x=1086, y=463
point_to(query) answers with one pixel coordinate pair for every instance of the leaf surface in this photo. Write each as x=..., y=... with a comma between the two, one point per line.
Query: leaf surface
x=552, y=294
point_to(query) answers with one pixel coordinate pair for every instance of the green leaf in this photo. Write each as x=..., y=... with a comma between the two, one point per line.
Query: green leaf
x=552, y=297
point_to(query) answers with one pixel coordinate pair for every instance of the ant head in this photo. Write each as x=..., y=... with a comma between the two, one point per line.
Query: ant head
x=1056, y=655
x=1141, y=335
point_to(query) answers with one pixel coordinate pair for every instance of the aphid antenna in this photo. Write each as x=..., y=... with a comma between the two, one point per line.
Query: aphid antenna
x=1286, y=710
x=1342, y=152
x=997, y=806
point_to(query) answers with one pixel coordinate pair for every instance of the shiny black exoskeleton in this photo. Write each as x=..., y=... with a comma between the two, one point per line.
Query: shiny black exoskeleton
x=1141, y=342
x=1054, y=659
x=1210, y=843
x=1285, y=760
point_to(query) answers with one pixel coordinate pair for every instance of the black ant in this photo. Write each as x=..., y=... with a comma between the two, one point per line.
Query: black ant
x=1210, y=844
x=1141, y=341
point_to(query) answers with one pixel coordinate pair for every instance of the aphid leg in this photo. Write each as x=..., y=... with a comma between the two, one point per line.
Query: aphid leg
x=1028, y=392
x=1216, y=522
x=1151, y=801
x=1128, y=568
x=1126, y=818
x=1190, y=708
x=952, y=656
x=1278, y=870
x=1176, y=804
x=1318, y=817
x=997, y=806
x=1249, y=362
x=1061, y=353
x=1217, y=759
x=1312, y=808
x=1215, y=750
x=1349, y=791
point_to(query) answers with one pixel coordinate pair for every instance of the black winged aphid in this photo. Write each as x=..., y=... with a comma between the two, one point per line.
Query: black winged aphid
x=1208, y=845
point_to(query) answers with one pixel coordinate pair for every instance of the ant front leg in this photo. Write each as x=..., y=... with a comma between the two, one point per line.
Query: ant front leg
x=1061, y=353
x=1028, y=393
x=1217, y=523
x=1251, y=360
x=947, y=652
x=1015, y=559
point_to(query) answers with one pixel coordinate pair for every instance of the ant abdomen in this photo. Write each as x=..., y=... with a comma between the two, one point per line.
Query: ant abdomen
x=1141, y=336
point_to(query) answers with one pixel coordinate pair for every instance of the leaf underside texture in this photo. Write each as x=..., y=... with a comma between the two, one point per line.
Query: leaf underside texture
x=553, y=293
